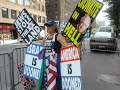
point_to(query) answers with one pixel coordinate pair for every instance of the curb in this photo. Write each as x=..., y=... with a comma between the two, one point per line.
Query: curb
x=6, y=42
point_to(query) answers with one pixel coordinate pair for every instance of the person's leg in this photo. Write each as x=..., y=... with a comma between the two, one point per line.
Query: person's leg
x=59, y=83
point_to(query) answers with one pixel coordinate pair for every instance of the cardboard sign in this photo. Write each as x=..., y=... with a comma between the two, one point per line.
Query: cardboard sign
x=34, y=61
x=70, y=68
x=83, y=15
x=27, y=27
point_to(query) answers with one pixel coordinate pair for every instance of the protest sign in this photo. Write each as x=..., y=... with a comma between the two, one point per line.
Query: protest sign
x=27, y=27
x=70, y=68
x=33, y=64
x=83, y=15
x=28, y=84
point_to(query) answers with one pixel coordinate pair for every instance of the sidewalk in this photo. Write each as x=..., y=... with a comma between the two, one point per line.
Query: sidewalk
x=4, y=42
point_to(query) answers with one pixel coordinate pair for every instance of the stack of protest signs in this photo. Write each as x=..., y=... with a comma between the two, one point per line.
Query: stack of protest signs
x=33, y=68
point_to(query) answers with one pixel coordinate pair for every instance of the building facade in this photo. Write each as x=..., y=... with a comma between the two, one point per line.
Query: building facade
x=60, y=10
x=10, y=10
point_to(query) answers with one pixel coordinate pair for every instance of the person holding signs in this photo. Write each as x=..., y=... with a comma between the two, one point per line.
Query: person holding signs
x=83, y=24
x=54, y=41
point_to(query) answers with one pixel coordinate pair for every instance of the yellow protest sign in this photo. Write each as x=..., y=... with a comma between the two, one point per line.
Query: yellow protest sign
x=83, y=15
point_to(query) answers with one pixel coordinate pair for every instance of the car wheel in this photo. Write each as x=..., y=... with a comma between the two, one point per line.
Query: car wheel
x=91, y=49
x=115, y=48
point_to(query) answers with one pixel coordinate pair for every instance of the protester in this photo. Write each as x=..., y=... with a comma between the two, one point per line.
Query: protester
x=83, y=24
x=57, y=40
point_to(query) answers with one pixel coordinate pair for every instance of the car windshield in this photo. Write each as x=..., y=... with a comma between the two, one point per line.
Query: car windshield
x=102, y=29
x=105, y=29
x=108, y=29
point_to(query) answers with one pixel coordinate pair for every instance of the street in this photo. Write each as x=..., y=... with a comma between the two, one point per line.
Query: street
x=100, y=71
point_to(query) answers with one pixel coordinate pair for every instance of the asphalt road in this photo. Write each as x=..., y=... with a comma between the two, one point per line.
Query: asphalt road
x=100, y=70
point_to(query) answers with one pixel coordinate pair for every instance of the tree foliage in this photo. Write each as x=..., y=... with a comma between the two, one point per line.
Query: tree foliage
x=114, y=12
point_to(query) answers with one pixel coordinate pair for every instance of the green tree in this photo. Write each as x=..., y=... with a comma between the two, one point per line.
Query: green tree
x=113, y=11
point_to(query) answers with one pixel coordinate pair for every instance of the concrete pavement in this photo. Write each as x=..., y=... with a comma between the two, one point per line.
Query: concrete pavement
x=3, y=42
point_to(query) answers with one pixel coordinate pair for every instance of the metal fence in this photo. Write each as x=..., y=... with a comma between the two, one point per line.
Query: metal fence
x=9, y=75
x=101, y=45
x=5, y=72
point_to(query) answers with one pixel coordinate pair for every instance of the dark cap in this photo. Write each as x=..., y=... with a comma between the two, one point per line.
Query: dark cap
x=52, y=22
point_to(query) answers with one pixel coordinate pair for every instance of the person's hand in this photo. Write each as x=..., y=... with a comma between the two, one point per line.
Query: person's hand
x=43, y=39
x=78, y=45
x=27, y=44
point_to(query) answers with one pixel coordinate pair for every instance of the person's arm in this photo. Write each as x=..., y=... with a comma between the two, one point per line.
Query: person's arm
x=42, y=41
x=62, y=40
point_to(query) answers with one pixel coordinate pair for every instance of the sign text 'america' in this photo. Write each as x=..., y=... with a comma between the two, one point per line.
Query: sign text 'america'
x=70, y=53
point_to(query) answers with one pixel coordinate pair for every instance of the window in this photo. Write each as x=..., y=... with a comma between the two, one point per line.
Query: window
x=56, y=17
x=55, y=5
x=43, y=19
x=35, y=17
x=27, y=3
x=13, y=14
x=34, y=5
x=43, y=8
x=39, y=19
x=42, y=1
x=4, y=12
x=13, y=1
x=20, y=2
x=39, y=7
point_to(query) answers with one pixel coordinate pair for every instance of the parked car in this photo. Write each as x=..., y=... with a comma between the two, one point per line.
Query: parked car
x=104, y=39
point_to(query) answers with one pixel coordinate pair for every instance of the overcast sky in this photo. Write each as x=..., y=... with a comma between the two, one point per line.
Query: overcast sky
x=101, y=15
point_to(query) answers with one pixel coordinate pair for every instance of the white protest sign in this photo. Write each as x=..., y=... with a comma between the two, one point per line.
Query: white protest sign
x=34, y=61
x=70, y=68
x=27, y=27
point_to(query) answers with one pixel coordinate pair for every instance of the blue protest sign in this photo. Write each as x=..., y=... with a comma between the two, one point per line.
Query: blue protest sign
x=34, y=61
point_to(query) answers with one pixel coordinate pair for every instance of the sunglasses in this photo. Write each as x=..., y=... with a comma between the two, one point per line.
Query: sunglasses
x=49, y=25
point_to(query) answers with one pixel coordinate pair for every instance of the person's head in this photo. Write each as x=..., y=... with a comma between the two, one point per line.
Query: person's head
x=83, y=24
x=51, y=27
